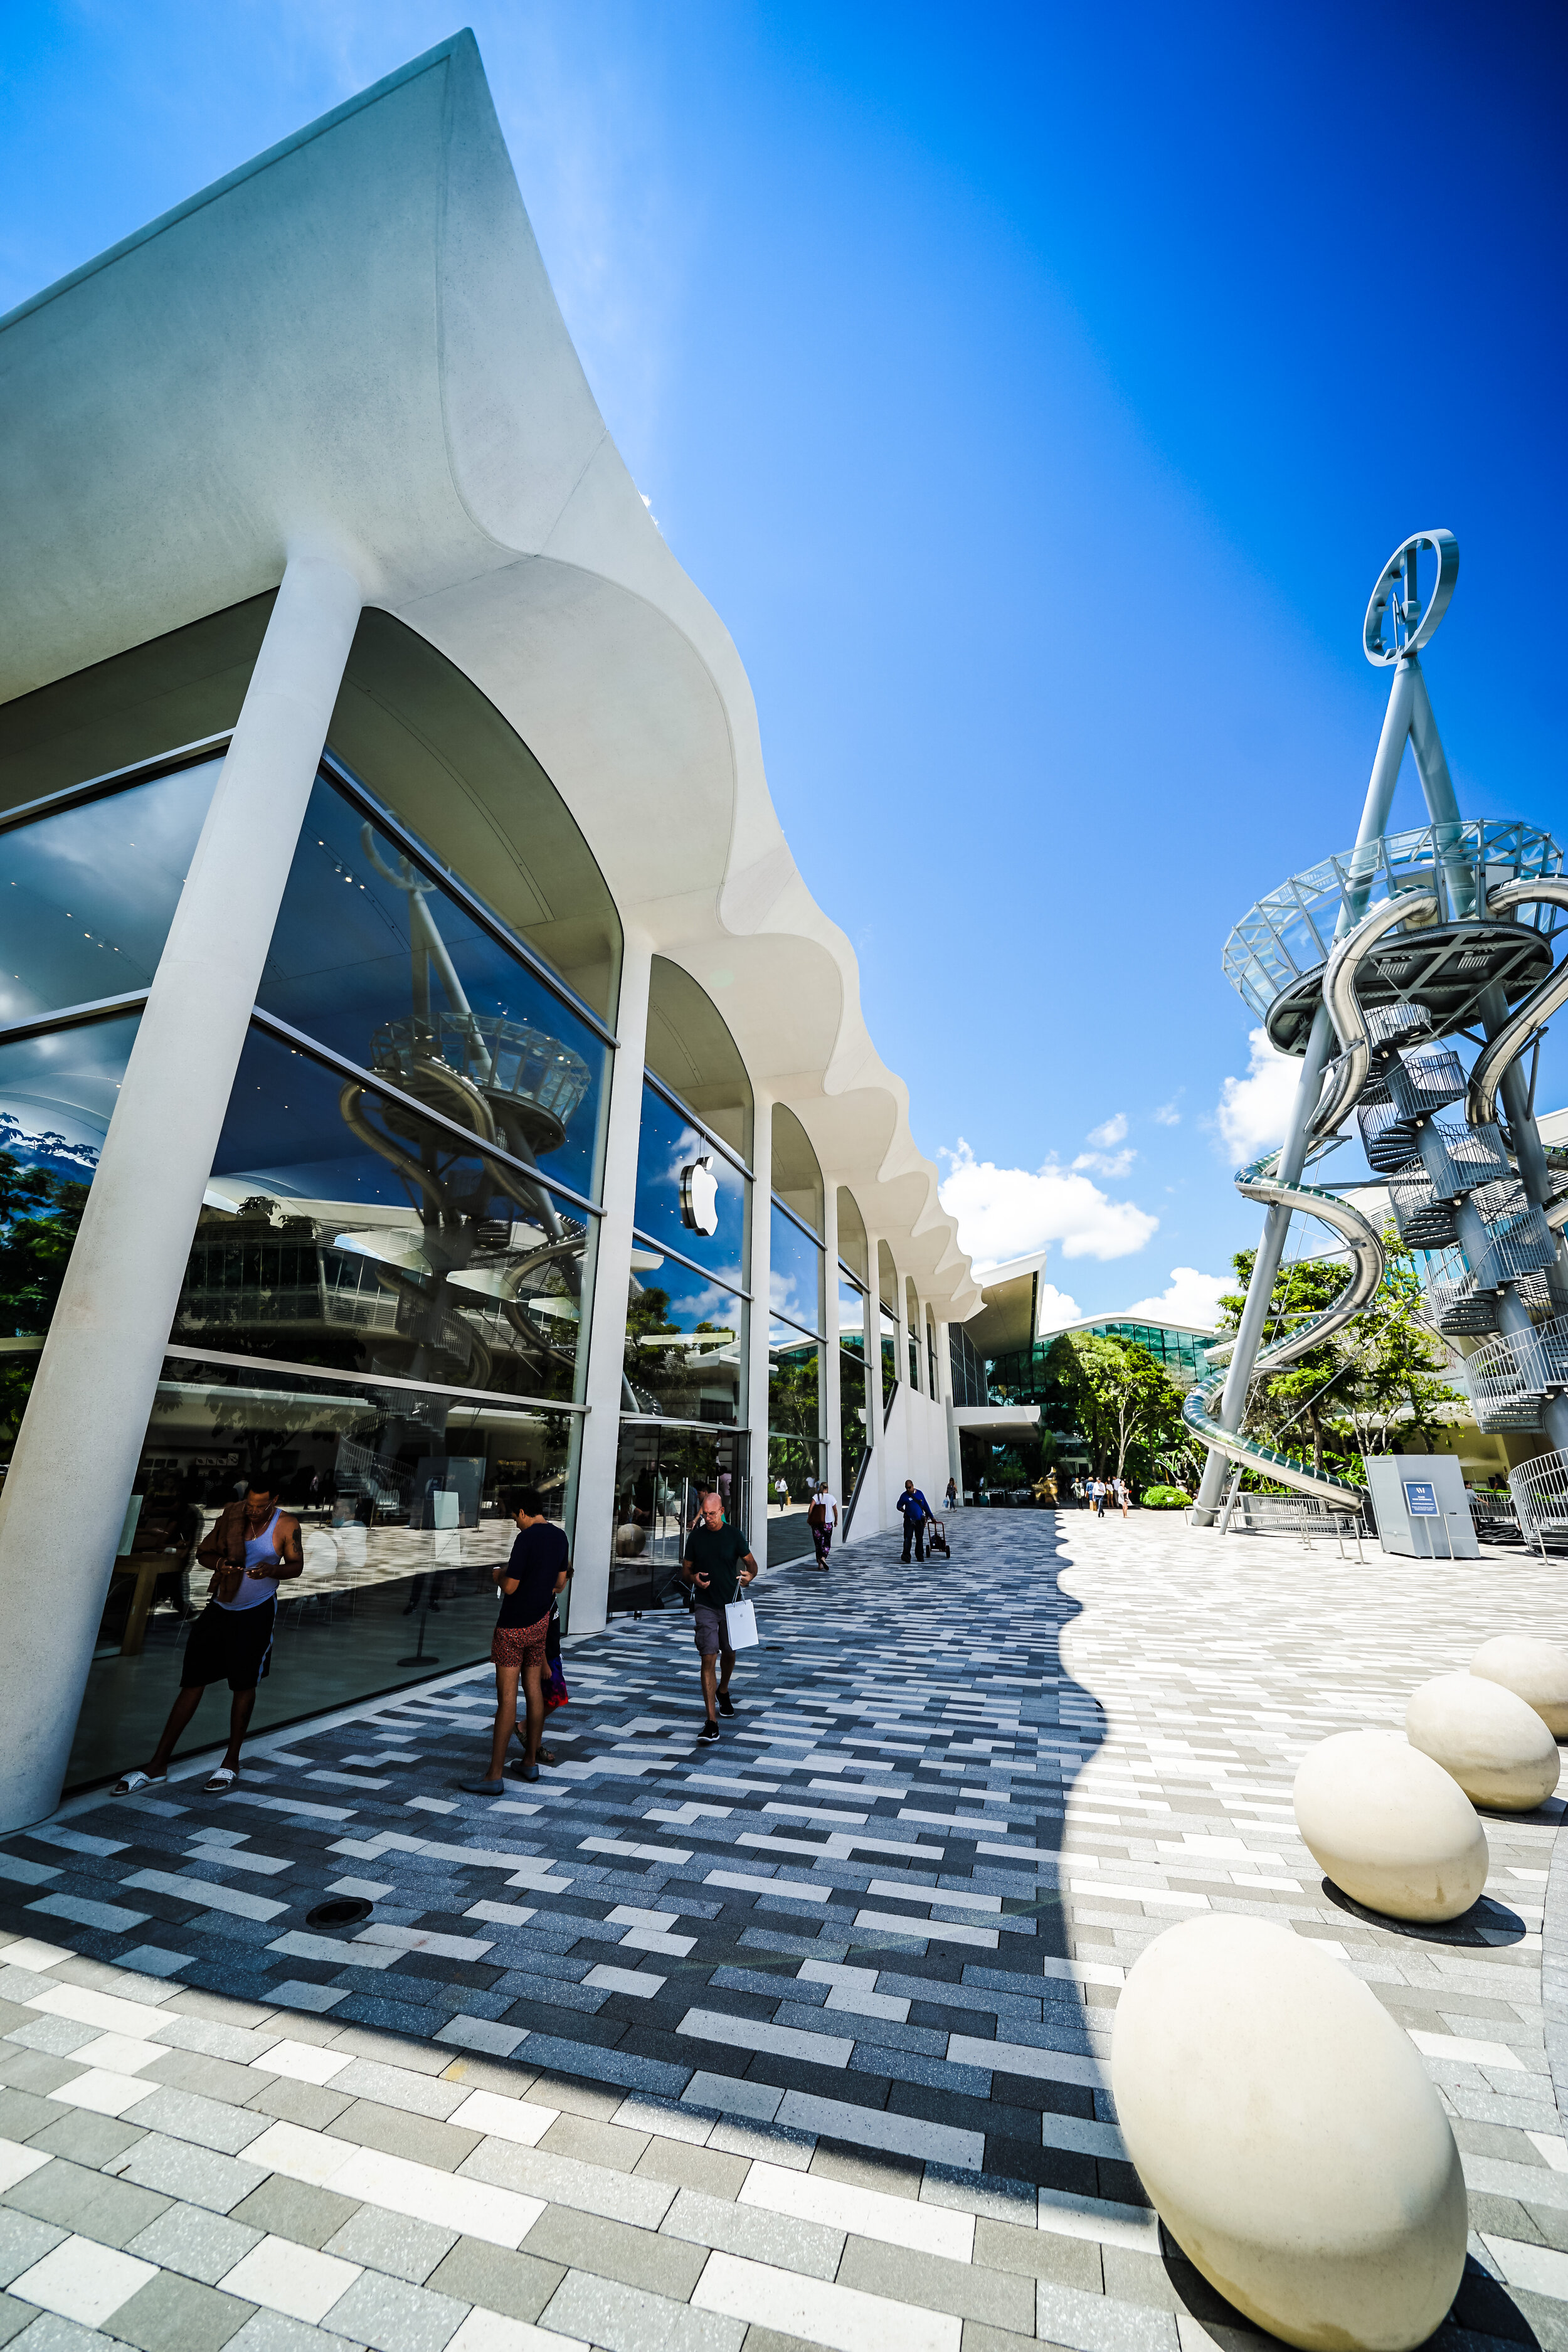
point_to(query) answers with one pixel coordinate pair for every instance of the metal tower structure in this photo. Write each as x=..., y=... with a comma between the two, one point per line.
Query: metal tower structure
x=1376, y=967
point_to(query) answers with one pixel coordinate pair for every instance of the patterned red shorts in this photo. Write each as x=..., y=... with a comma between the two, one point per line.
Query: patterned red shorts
x=520, y=1645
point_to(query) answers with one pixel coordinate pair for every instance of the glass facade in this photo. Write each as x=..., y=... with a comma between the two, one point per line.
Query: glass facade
x=391, y=1270
x=402, y=1492
x=90, y=892
x=373, y=957
x=912, y=1333
x=661, y=1475
x=684, y=1391
x=797, y=1177
x=796, y=1268
x=685, y=1345
x=795, y=1428
x=853, y=1254
x=344, y=1228
x=1015, y=1377
x=965, y=1367
x=691, y=1195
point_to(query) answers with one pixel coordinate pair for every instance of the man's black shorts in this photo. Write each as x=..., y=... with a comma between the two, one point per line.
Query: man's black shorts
x=232, y=1645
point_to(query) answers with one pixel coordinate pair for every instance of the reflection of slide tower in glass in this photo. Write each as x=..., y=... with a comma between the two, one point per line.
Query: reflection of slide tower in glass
x=1374, y=967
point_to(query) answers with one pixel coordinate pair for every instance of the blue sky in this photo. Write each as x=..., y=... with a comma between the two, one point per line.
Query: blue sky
x=1037, y=393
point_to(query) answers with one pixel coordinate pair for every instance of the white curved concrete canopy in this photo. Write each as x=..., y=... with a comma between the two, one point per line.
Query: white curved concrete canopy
x=231, y=386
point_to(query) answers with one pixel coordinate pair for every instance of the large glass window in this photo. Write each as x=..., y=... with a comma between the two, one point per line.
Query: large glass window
x=912, y=1332
x=854, y=1253
x=374, y=958
x=691, y=1050
x=689, y=1196
x=686, y=1344
x=932, y=1388
x=854, y=1427
x=441, y=757
x=343, y=1228
x=797, y=1177
x=795, y=1272
x=87, y=895
x=796, y=1454
x=404, y=1495
x=56, y=1097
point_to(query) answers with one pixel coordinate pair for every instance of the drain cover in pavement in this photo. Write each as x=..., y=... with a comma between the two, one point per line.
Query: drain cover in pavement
x=343, y=1911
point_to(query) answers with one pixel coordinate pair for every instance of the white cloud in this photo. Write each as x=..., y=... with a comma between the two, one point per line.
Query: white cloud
x=1057, y=1309
x=1168, y=1115
x=1114, y=1131
x=1254, y=1111
x=1105, y=1163
x=1191, y=1298
x=1003, y=1213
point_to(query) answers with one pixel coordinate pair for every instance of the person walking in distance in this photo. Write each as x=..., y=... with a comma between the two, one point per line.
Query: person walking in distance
x=822, y=1519
x=780, y=1488
x=951, y=1497
x=252, y=1547
x=717, y=1567
x=528, y=1581
x=916, y=1511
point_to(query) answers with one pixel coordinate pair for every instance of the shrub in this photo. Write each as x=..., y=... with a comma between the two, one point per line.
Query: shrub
x=1164, y=1498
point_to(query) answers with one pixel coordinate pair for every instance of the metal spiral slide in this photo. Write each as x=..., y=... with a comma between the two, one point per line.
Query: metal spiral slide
x=1407, y=943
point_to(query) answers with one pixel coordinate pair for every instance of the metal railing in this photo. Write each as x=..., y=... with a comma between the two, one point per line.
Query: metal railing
x=1424, y=1083
x=1467, y=1156
x=1539, y=1492
x=1510, y=1377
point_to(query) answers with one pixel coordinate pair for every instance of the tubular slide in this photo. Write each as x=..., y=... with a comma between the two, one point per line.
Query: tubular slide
x=1403, y=947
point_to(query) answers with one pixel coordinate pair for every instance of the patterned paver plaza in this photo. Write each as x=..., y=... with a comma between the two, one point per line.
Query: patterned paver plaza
x=802, y=2040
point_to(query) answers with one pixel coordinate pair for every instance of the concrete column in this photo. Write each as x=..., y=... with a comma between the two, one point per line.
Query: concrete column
x=762, y=1291
x=831, y=1394
x=76, y=1455
x=944, y=1390
x=595, y=1530
x=869, y=1518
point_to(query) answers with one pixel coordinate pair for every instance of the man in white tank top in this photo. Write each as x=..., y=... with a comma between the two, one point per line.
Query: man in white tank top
x=251, y=1548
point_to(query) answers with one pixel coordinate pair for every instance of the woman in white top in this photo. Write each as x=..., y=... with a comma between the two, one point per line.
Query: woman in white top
x=822, y=1519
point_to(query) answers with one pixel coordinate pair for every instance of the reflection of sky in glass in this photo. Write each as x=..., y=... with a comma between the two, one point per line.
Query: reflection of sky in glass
x=667, y=1374
x=89, y=894
x=342, y=962
x=794, y=1272
x=851, y=1313
x=669, y=1143
x=57, y=1094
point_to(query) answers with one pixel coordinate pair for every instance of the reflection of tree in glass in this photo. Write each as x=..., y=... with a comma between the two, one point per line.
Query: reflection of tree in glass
x=648, y=1320
x=40, y=1210
x=793, y=1393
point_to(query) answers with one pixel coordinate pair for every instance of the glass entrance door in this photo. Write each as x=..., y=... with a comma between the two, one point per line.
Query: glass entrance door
x=662, y=1471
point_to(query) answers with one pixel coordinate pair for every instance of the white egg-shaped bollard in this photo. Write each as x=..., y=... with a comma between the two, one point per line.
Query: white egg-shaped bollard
x=1390, y=1827
x=1289, y=2136
x=1497, y=1748
x=1536, y=1672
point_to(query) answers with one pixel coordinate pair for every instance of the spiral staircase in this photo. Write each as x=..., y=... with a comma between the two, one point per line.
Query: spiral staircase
x=1411, y=975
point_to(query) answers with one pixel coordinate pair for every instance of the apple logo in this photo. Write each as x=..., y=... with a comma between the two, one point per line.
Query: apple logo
x=699, y=1196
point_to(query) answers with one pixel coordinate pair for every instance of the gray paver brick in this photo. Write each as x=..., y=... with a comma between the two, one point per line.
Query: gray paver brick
x=562, y=2180
x=1001, y=2298
x=395, y=2132
x=86, y=2138
x=587, y=2241
x=199, y=2244
x=297, y=2210
x=753, y=2233
x=210, y=2123
x=628, y=2319
x=23, y=2243
x=206, y=2076
x=390, y=2316
x=1039, y=2253
x=1096, y=2323
x=707, y=2170
x=270, y=2331
x=49, y=2333
x=180, y=2168
x=400, y=2086
x=592, y=2142
x=23, y=2113
x=518, y=2286
x=312, y=2106
x=112, y=2211
x=172, y=2314
x=15, y=2315
x=393, y=2243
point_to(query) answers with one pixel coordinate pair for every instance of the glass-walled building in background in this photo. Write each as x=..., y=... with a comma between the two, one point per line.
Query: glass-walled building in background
x=415, y=1037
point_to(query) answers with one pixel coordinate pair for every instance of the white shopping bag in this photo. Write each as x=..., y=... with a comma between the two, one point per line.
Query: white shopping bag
x=740, y=1625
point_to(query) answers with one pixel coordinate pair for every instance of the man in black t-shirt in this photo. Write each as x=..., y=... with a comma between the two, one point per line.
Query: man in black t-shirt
x=529, y=1582
x=717, y=1566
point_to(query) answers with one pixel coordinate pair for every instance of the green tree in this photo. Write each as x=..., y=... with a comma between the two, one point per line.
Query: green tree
x=40, y=1210
x=1123, y=1402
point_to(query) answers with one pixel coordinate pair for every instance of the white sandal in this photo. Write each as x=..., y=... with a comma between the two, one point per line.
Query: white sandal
x=131, y=1782
x=220, y=1781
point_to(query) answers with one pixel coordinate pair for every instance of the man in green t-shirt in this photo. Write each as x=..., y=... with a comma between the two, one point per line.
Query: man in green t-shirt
x=717, y=1565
